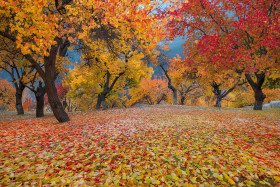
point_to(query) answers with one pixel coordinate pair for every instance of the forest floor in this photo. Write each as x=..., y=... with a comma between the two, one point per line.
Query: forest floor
x=143, y=146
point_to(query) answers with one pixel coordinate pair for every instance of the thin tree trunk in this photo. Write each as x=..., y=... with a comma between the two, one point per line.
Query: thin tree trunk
x=174, y=90
x=102, y=96
x=175, y=100
x=19, y=91
x=19, y=102
x=183, y=98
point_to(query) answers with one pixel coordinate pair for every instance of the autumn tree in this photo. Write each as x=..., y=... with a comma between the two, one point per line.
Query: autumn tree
x=184, y=77
x=17, y=67
x=151, y=92
x=37, y=29
x=39, y=90
x=46, y=27
x=236, y=35
x=101, y=77
x=163, y=63
x=7, y=95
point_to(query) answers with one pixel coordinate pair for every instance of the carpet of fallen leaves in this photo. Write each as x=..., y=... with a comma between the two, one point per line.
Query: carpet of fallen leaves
x=146, y=146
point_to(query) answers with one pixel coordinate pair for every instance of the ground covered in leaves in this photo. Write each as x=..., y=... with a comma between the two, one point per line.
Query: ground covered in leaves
x=146, y=146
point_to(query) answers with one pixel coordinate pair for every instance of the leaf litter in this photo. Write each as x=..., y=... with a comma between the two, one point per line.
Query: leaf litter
x=146, y=146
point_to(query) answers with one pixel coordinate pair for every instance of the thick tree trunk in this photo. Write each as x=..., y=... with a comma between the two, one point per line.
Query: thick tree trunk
x=49, y=78
x=218, y=94
x=19, y=102
x=100, y=99
x=55, y=103
x=259, y=98
x=104, y=105
x=219, y=102
x=257, y=87
x=40, y=99
x=183, y=98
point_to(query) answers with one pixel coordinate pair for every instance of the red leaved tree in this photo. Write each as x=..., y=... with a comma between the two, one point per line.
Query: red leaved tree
x=225, y=34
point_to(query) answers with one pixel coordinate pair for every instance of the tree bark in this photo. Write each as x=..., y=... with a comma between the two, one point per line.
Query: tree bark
x=218, y=93
x=257, y=87
x=40, y=99
x=104, y=105
x=19, y=103
x=19, y=91
x=175, y=100
x=100, y=100
x=259, y=99
x=219, y=102
x=183, y=98
x=174, y=90
x=55, y=103
x=49, y=78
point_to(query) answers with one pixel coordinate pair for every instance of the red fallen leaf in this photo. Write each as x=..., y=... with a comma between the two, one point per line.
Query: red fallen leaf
x=261, y=177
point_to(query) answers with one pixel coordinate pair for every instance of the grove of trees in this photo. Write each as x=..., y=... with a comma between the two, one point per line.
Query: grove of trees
x=231, y=53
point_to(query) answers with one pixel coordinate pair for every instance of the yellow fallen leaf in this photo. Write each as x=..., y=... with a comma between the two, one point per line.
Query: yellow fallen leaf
x=277, y=178
x=229, y=179
x=250, y=182
x=118, y=169
x=193, y=179
x=187, y=185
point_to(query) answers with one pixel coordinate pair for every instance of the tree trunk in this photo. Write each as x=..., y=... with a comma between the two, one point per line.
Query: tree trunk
x=100, y=99
x=218, y=93
x=104, y=105
x=49, y=78
x=19, y=102
x=19, y=90
x=54, y=101
x=183, y=98
x=175, y=102
x=219, y=102
x=40, y=99
x=174, y=90
x=259, y=98
x=257, y=87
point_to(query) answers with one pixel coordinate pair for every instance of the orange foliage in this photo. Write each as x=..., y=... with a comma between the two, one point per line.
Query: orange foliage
x=28, y=104
x=271, y=95
x=7, y=95
x=151, y=91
